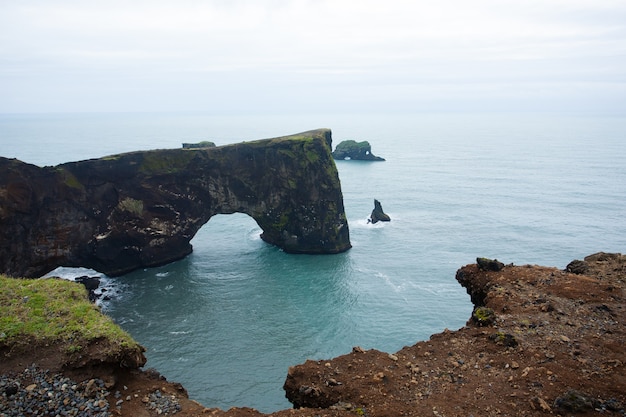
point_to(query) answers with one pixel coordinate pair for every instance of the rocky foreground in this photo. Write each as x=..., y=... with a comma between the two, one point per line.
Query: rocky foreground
x=541, y=341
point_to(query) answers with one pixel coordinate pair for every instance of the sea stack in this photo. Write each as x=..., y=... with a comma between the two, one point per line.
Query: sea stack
x=378, y=215
x=357, y=151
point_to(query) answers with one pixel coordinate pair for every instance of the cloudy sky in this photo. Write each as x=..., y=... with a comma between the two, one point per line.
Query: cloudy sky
x=285, y=56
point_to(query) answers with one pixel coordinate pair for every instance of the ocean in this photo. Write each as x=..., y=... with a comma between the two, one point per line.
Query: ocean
x=229, y=320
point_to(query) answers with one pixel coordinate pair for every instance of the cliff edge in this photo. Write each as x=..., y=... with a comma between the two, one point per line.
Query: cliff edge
x=541, y=341
x=141, y=209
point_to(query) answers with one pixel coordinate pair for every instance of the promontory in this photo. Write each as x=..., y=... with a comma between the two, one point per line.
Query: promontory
x=141, y=209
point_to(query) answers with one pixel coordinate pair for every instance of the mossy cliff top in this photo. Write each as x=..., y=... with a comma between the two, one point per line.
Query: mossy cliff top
x=54, y=317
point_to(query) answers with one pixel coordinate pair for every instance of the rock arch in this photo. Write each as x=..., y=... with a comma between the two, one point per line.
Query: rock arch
x=141, y=209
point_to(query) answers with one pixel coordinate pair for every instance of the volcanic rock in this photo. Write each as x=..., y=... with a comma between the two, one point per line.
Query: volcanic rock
x=378, y=215
x=357, y=151
x=554, y=346
x=141, y=209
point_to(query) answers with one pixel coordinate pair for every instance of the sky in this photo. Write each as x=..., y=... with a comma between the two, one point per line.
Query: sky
x=296, y=56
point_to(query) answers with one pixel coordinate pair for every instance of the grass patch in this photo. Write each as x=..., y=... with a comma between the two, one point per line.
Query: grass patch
x=165, y=162
x=131, y=205
x=53, y=309
x=69, y=179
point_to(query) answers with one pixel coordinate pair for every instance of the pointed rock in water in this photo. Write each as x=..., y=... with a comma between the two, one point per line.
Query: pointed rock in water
x=141, y=209
x=378, y=214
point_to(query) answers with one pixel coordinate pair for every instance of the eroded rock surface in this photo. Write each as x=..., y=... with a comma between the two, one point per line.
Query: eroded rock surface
x=141, y=209
x=555, y=346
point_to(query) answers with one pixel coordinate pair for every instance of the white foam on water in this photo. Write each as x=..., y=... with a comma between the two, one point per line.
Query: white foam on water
x=109, y=288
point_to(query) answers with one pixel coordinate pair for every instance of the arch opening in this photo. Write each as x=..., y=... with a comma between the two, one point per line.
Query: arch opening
x=227, y=235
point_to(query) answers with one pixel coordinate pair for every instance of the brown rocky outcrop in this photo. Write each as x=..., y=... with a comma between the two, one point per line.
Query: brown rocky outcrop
x=555, y=346
x=141, y=209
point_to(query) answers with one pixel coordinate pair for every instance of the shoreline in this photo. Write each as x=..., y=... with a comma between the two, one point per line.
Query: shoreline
x=552, y=343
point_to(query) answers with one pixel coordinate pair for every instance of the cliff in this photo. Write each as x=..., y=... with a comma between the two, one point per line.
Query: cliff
x=141, y=209
x=541, y=341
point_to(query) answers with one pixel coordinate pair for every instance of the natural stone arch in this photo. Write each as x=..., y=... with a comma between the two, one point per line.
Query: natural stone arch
x=141, y=209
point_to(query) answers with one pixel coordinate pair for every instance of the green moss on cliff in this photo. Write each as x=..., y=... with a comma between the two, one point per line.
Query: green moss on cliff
x=69, y=179
x=282, y=221
x=165, y=162
x=311, y=153
x=53, y=309
x=287, y=152
x=131, y=205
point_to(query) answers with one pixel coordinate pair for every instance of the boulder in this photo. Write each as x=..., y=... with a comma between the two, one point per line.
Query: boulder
x=487, y=264
x=577, y=267
x=90, y=283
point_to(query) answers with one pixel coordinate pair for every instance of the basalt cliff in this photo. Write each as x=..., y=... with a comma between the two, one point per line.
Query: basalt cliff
x=141, y=209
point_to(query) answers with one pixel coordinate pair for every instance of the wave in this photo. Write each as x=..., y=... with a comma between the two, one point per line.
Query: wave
x=108, y=289
x=365, y=223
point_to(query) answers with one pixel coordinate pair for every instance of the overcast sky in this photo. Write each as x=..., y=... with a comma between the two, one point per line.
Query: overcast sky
x=312, y=55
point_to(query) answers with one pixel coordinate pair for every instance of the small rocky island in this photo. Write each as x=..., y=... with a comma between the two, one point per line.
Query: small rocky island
x=357, y=151
x=141, y=209
x=540, y=341
x=378, y=215
x=199, y=145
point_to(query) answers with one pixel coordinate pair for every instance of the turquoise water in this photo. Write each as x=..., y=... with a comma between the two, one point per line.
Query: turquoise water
x=230, y=319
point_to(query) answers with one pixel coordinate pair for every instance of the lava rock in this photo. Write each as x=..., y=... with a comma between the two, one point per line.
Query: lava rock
x=91, y=283
x=577, y=267
x=378, y=215
x=353, y=150
x=487, y=264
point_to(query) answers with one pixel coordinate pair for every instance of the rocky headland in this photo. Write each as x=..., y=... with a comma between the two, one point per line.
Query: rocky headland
x=541, y=341
x=141, y=209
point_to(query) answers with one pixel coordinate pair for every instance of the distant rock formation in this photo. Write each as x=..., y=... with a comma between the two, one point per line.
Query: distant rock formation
x=203, y=144
x=378, y=215
x=141, y=209
x=352, y=150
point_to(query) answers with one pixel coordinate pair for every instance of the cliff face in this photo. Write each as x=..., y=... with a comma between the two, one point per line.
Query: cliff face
x=141, y=209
